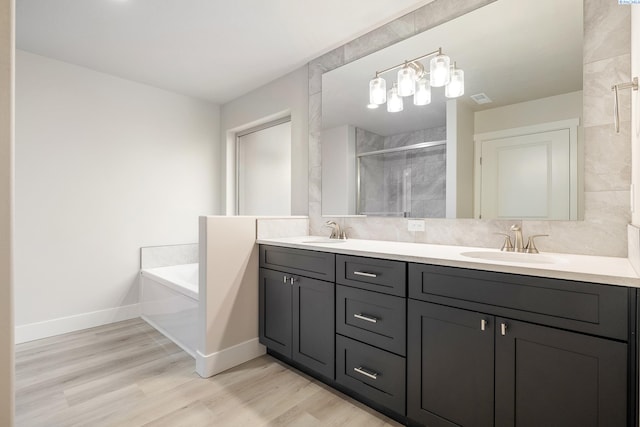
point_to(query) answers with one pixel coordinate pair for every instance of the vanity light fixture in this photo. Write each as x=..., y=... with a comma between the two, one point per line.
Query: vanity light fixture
x=414, y=80
x=394, y=101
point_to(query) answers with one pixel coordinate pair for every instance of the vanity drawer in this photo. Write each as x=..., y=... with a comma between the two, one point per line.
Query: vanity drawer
x=317, y=265
x=579, y=306
x=372, y=373
x=372, y=274
x=373, y=318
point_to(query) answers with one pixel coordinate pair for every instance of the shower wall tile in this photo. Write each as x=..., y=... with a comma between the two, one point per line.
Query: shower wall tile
x=368, y=141
x=164, y=256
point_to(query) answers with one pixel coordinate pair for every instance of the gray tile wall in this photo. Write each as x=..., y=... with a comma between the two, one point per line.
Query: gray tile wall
x=607, y=35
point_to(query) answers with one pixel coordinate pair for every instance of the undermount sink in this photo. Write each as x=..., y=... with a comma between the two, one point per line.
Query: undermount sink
x=324, y=240
x=516, y=257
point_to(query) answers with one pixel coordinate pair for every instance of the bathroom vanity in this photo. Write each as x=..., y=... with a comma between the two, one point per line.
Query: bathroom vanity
x=432, y=337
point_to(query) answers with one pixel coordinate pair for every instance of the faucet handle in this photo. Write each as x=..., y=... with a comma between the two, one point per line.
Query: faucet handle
x=507, y=246
x=531, y=246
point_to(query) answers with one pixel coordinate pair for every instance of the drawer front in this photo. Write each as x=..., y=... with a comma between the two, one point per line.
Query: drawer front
x=580, y=306
x=372, y=373
x=372, y=274
x=373, y=318
x=317, y=265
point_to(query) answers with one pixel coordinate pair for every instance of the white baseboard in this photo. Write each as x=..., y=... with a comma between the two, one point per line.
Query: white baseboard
x=214, y=363
x=77, y=322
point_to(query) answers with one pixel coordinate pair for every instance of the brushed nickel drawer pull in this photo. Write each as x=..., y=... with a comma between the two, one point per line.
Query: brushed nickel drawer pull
x=284, y=279
x=362, y=371
x=503, y=329
x=362, y=273
x=483, y=324
x=365, y=317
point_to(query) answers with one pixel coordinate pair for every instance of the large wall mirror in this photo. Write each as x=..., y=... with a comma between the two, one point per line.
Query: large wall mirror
x=509, y=147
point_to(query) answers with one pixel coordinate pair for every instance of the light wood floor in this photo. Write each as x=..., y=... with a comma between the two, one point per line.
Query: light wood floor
x=128, y=374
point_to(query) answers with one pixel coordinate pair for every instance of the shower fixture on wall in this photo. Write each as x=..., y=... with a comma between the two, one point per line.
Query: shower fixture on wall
x=414, y=80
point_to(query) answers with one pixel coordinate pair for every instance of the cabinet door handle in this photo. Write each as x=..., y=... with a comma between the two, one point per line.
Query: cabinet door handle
x=503, y=329
x=365, y=317
x=483, y=324
x=362, y=273
x=292, y=279
x=366, y=373
x=284, y=279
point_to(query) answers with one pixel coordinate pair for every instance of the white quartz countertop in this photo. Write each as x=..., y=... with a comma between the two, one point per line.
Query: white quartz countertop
x=597, y=269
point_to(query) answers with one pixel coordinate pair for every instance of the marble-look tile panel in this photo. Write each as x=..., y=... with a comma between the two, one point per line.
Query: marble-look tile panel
x=434, y=134
x=633, y=235
x=607, y=30
x=318, y=66
x=315, y=149
x=315, y=184
x=368, y=141
x=607, y=158
x=379, y=38
x=466, y=232
x=441, y=11
x=268, y=228
x=603, y=231
x=599, y=76
x=378, y=228
x=403, y=139
x=315, y=113
x=164, y=256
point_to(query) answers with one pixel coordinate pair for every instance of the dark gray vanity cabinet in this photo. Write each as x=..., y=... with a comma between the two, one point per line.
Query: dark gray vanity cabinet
x=297, y=311
x=489, y=349
x=371, y=329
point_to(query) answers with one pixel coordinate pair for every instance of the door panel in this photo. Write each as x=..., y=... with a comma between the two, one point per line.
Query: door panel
x=527, y=176
x=550, y=377
x=451, y=366
x=275, y=312
x=314, y=325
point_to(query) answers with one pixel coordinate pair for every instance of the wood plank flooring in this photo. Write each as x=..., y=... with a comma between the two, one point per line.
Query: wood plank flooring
x=128, y=374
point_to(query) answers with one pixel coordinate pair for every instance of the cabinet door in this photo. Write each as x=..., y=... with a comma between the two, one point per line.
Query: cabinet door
x=550, y=377
x=314, y=325
x=450, y=366
x=275, y=311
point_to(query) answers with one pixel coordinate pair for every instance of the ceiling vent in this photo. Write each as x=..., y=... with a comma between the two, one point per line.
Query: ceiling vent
x=481, y=98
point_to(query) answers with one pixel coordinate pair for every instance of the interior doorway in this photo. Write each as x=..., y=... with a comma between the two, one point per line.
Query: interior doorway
x=263, y=167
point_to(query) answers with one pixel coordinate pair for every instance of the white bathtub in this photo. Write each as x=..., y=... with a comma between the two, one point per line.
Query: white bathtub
x=169, y=302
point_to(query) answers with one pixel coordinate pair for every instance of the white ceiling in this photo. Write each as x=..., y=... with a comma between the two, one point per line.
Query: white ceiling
x=211, y=49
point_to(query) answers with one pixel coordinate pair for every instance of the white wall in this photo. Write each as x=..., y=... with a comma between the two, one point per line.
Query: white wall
x=285, y=96
x=6, y=208
x=339, y=173
x=103, y=167
x=551, y=109
x=460, y=123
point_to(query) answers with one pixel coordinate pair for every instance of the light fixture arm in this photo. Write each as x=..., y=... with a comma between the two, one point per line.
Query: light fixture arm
x=410, y=62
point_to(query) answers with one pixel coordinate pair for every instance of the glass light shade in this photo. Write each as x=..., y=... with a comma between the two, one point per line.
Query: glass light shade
x=439, y=70
x=406, y=81
x=394, y=100
x=423, y=92
x=377, y=91
x=455, y=88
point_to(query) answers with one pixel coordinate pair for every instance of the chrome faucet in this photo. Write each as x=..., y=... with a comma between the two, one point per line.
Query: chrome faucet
x=336, y=233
